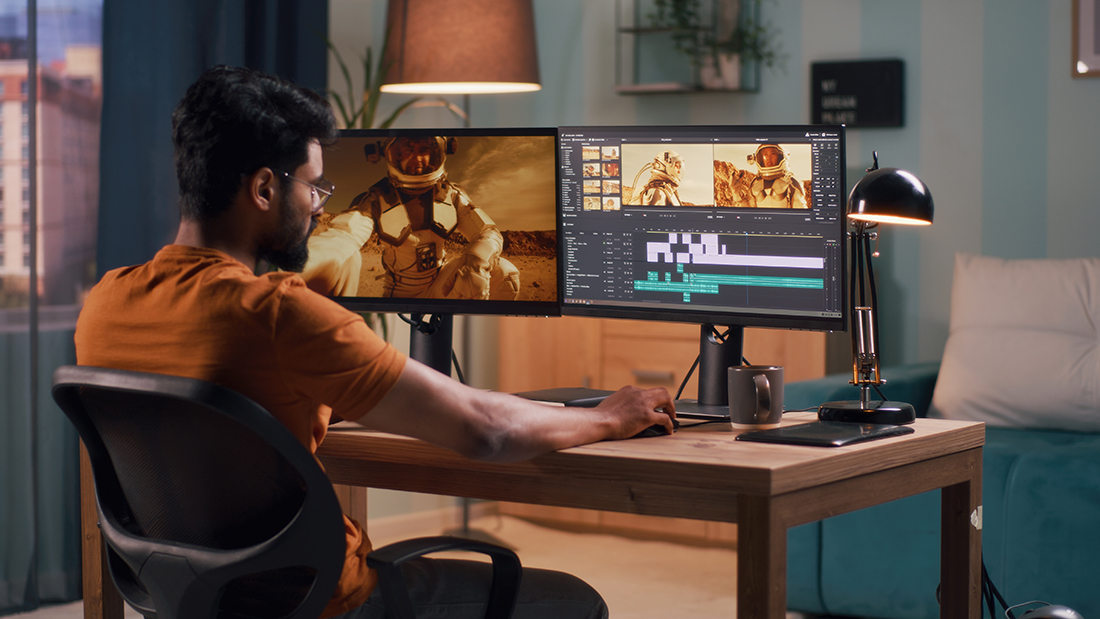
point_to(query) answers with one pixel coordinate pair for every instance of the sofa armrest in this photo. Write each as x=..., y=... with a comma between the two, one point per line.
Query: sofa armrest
x=912, y=383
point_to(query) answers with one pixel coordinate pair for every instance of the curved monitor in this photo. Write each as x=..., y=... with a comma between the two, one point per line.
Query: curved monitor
x=723, y=225
x=440, y=221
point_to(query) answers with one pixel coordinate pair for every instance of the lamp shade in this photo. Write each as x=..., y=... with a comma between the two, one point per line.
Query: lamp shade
x=461, y=47
x=890, y=195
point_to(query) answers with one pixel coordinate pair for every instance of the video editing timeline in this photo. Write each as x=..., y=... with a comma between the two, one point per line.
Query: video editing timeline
x=702, y=246
x=682, y=251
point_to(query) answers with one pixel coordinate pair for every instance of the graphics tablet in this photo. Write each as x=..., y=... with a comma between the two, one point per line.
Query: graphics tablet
x=825, y=433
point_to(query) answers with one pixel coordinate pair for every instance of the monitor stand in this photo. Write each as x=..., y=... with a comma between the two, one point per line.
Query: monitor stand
x=717, y=352
x=430, y=341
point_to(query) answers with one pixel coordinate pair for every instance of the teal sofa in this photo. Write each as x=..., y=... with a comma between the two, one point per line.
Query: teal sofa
x=1041, y=523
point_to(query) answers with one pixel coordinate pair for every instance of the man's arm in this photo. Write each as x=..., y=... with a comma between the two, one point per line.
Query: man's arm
x=485, y=425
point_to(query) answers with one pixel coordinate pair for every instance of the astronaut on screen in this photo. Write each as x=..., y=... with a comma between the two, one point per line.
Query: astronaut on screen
x=414, y=211
x=773, y=186
x=666, y=171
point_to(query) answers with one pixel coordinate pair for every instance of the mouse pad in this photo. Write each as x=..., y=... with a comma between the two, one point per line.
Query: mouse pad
x=825, y=433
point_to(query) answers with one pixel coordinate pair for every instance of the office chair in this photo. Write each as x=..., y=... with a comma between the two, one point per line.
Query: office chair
x=211, y=508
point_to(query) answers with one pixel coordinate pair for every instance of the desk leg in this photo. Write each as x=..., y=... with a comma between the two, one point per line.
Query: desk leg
x=101, y=599
x=761, y=559
x=961, y=544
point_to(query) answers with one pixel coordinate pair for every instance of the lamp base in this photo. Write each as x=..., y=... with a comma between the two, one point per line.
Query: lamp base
x=876, y=411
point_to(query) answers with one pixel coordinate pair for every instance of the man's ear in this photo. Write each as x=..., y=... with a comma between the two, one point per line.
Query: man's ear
x=261, y=187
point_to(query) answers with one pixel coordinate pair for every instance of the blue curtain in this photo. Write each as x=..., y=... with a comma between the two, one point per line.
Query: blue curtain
x=152, y=50
x=39, y=473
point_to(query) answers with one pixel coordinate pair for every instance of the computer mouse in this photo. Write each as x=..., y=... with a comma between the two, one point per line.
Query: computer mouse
x=1053, y=611
x=656, y=430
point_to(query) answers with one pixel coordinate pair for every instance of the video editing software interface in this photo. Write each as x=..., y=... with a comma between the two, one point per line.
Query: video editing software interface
x=729, y=225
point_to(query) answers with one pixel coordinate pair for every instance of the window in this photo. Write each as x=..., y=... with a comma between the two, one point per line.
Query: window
x=69, y=45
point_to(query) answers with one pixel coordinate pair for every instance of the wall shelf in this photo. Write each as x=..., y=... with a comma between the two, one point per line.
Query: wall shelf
x=647, y=61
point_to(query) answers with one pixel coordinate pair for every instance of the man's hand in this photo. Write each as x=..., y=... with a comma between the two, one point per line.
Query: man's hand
x=637, y=409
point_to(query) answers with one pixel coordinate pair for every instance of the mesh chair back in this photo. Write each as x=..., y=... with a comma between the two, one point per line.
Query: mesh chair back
x=207, y=483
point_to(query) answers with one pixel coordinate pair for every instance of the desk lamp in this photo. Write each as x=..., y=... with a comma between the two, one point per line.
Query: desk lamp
x=889, y=196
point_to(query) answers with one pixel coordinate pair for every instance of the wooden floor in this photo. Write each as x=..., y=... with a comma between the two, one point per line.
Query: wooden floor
x=639, y=578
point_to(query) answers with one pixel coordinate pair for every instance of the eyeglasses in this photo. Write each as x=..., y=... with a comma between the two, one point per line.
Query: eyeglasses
x=318, y=194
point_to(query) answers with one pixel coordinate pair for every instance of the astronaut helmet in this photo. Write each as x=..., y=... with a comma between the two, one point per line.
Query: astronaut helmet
x=417, y=162
x=669, y=164
x=770, y=160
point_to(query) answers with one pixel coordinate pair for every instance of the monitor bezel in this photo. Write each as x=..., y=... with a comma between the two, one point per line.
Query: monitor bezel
x=732, y=318
x=464, y=306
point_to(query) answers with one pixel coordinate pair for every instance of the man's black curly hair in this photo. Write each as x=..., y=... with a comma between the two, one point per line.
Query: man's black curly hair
x=233, y=121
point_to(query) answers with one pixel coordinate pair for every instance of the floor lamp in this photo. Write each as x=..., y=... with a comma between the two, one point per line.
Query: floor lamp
x=461, y=47
x=886, y=196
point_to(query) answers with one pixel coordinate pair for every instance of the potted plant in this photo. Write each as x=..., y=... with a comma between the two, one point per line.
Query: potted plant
x=360, y=111
x=746, y=41
x=716, y=50
x=361, y=114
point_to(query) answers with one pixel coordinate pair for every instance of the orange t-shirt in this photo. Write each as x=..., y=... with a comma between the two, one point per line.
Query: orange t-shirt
x=199, y=313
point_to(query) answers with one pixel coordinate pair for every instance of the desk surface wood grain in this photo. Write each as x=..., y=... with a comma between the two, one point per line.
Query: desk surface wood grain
x=703, y=466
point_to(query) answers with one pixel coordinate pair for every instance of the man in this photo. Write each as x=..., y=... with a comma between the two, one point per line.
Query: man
x=248, y=160
x=414, y=211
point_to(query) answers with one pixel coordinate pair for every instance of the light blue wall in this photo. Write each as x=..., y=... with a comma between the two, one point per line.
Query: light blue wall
x=1006, y=140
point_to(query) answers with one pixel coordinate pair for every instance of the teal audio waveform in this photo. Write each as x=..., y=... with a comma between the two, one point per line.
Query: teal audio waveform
x=707, y=283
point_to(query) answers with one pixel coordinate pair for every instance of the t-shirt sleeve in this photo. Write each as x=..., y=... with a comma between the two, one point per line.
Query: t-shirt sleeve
x=329, y=355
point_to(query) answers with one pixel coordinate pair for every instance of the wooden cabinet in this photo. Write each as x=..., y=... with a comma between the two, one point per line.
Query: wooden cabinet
x=540, y=353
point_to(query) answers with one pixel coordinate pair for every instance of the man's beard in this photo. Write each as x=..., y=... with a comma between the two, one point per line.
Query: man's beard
x=295, y=252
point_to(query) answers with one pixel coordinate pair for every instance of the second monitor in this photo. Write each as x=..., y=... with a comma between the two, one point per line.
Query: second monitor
x=723, y=226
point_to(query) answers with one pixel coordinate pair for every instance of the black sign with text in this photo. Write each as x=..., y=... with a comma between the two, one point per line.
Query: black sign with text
x=862, y=93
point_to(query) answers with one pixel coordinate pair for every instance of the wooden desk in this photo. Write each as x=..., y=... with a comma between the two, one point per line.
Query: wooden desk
x=700, y=473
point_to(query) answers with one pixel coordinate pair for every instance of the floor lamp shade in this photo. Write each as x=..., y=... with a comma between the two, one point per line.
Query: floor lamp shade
x=461, y=47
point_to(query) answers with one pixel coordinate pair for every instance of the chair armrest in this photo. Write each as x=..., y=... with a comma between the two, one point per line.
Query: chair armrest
x=507, y=572
x=912, y=383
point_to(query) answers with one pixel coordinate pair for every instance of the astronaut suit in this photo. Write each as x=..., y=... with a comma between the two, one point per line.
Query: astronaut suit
x=662, y=189
x=414, y=211
x=773, y=186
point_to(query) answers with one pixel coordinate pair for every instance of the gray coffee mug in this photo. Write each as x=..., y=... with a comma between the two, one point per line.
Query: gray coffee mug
x=756, y=396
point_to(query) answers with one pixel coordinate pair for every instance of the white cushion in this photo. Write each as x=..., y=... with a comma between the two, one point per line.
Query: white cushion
x=1023, y=349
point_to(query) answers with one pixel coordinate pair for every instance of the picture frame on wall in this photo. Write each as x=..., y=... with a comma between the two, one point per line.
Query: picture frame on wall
x=1086, y=38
